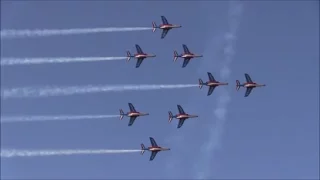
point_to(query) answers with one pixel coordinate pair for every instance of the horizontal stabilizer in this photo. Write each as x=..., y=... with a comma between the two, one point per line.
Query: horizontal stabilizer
x=128, y=56
x=200, y=83
x=142, y=149
x=238, y=85
x=170, y=116
x=121, y=114
x=154, y=27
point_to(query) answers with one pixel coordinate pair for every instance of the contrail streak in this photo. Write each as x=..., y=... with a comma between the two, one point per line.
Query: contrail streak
x=10, y=153
x=13, y=119
x=44, y=60
x=234, y=14
x=14, y=33
x=73, y=90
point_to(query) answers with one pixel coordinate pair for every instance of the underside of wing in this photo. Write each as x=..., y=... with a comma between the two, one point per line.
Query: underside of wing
x=131, y=107
x=211, y=78
x=185, y=62
x=211, y=88
x=181, y=121
x=248, y=91
x=153, y=155
x=248, y=78
x=153, y=142
x=164, y=33
x=180, y=109
x=164, y=20
x=132, y=119
x=185, y=49
x=139, y=61
x=139, y=50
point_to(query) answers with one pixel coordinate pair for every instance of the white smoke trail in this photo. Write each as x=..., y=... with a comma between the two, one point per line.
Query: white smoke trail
x=13, y=119
x=234, y=14
x=14, y=33
x=10, y=153
x=73, y=90
x=27, y=61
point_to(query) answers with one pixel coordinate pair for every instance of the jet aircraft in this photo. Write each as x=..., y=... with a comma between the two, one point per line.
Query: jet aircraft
x=249, y=85
x=212, y=83
x=165, y=26
x=133, y=114
x=187, y=55
x=140, y=56
x=182, y=116
x=154, y=149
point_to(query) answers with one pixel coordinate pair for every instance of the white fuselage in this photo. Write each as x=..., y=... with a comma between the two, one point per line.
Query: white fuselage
x=252, y=85
x=182, y=116
x=190, y=56
x=168, y=26
x=158, y=149
x=143, y=55
x=216, y=83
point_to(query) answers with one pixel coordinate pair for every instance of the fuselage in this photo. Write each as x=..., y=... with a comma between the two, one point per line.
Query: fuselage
x=131, y=114
x=183, y=116
x=168, y=26
x=144, y=55
x=190, y=55
x=252, y=85
x=157, y=148
x=215, y=83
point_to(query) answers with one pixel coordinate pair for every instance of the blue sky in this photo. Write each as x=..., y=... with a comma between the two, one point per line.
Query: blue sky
x=274, y=133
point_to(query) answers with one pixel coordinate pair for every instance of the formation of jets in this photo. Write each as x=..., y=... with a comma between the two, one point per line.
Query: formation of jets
x=187, y=55
x=140, y=56
x=182, y=115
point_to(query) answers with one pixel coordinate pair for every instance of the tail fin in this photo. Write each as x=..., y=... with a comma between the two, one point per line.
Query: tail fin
x=121, y=114
x=238, y=85
x=154, y=26
x=170, y=116
x=128, y=56
x=200, y=83
x=142, y=149
x=176, y=55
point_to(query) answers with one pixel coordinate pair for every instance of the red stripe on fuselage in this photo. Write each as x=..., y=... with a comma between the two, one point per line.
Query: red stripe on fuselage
x=165, y=26
x=133, y=114
x=212, y=83
x=187, y=55
x=179, y=116
x=250, y=84
x=140, y=55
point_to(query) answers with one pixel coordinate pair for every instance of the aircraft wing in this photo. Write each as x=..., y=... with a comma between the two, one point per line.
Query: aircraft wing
x=153, y=155
x=181, y=121
x=153, y=142
x=211, y=78
x=164, y=33
x=211, y=88
x=132, y=119
x=139, y=50
x=181, y=111
x=164, y=20
x=139, y=61
x=132, y=109
x=185, y=48
x=185, y=62
x=248, y=91
x=248, y=78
